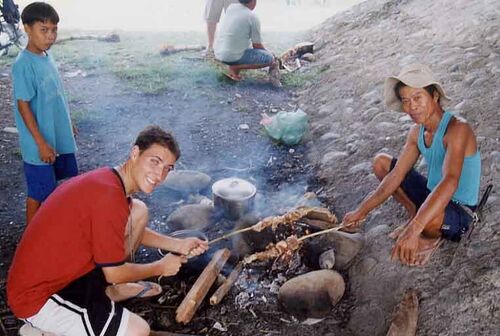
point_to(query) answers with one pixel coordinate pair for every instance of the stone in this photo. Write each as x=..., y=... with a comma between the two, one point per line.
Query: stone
x=191, y=216
x=327, y=259
x=187, y=181
x=361, y=167
x=309, y=57
x=312, y=294
x=347, y=246
x=333, y=156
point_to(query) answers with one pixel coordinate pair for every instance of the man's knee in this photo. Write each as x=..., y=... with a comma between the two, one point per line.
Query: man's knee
x=137, y=326
x=382, y=164
x=139, y=211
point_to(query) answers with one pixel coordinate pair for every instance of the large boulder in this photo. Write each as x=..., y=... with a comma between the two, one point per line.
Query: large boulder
x=312, y=294
x=191, y=216
x=187, y=181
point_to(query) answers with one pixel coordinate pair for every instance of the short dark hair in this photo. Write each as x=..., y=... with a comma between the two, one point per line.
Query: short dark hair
x=39, y=11
x=429, y=88
x=156, y=135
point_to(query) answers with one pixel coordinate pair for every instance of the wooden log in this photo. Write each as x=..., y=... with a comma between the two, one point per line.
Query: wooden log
x=405, y=320
x=221, y=292
x=197, y=293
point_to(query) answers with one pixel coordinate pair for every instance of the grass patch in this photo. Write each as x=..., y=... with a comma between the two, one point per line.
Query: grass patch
x=298, y=79
x=79, y=114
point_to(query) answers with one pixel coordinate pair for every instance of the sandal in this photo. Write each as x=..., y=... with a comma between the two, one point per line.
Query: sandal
x=149, y=289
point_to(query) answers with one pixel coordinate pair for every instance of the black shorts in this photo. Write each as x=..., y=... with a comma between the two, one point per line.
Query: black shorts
x=456, y=219
x=82, y=308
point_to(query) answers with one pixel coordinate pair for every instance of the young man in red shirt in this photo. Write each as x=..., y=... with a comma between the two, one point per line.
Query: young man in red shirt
x=73, y=261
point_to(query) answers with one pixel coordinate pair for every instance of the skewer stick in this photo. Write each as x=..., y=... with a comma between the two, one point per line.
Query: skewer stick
x=227, y=235
x=337, y=228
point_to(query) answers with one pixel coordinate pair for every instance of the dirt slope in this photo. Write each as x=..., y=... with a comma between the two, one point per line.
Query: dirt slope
x=350, y=124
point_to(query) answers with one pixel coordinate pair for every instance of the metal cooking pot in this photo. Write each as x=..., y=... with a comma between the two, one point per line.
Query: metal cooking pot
x=233, y=196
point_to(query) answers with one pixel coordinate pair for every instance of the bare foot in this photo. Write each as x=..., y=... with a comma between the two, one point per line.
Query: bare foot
x=130, y=290
x=426, y=248
x=233, y=76
x=397, y=232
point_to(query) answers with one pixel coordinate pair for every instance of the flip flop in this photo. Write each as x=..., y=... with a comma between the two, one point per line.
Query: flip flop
x=232, y=77
x=149, y=289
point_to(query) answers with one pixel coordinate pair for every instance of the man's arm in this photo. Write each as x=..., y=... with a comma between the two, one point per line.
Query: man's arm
x=129, y=272
x=391, y=182
x=188, y=246
x=47, y=153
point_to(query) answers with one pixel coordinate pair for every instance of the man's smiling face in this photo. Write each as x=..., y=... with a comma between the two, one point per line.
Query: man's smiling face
x=151, y=167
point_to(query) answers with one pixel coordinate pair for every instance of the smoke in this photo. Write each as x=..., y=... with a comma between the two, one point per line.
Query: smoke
x=185, y=15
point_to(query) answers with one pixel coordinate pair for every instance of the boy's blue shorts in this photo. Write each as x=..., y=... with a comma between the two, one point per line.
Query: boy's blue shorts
x=456, y=219
x=42, y=179
x=253, y=56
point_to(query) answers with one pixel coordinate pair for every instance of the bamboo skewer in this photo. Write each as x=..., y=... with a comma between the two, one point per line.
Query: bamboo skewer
x=337, y=228
x=230, y=234
x=287, y=218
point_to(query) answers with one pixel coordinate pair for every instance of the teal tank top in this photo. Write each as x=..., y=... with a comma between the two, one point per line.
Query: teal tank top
x=468, y=186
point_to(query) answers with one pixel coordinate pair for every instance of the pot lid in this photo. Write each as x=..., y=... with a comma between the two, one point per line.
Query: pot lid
x=233, y=188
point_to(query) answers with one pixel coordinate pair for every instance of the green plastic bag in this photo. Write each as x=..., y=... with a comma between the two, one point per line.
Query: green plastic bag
x=286, y=127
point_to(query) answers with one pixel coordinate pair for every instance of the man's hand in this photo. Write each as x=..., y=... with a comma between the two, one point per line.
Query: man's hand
x=406, y=246
x=171, y=264
x=353, y=220
x=191, y=247
x=75, y=130
x=47, y=153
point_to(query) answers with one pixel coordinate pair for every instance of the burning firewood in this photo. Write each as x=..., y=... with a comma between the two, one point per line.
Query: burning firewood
x=192, y=301
x=219, y=294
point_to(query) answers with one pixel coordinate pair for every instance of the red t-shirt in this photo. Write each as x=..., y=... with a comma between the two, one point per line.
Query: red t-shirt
x=81, y=225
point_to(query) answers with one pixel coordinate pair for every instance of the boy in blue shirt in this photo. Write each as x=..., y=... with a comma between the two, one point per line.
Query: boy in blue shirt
x=41, y=111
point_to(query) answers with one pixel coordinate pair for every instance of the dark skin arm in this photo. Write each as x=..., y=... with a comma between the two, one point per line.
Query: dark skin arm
x=459, y=142
x=390, y=183
x=47, y=153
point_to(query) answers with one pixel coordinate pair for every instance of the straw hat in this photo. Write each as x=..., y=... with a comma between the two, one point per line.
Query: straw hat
x=415, y=76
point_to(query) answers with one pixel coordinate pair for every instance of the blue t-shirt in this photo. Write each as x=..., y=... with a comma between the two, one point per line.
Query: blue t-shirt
x=36, y=80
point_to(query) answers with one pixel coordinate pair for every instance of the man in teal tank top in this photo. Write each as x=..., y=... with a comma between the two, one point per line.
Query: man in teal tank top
x=440, y=204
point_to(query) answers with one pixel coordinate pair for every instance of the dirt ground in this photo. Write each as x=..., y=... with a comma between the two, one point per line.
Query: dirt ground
x=209, y=117
x=342, y=93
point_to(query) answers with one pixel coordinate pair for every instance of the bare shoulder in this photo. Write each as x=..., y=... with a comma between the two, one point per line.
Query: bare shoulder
x=459, y=127
x=460, y=134
x=413, y=134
